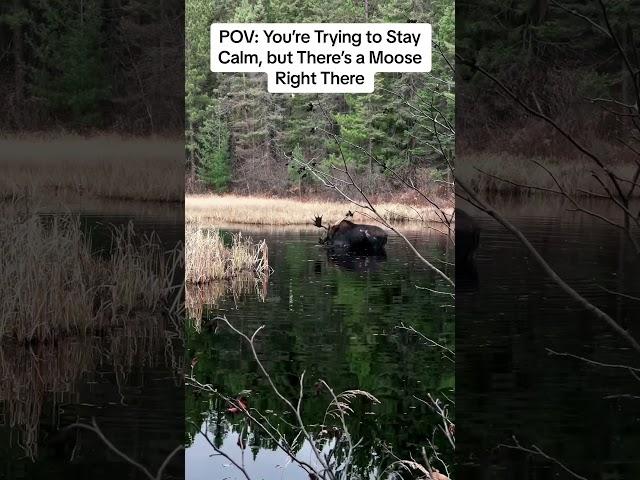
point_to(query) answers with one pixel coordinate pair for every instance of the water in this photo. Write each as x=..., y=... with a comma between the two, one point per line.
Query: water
x=127, y=379
x=508, y=384
x=335, y=319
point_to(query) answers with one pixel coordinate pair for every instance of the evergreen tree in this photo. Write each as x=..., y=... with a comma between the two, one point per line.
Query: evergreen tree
x=70, y=75
x=213, y=151
x=260, y=127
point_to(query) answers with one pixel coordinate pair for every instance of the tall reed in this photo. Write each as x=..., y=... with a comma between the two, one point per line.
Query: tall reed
x=54, y=284
x=207, y=258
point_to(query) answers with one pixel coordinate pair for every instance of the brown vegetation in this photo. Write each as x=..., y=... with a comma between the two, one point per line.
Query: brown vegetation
x=231, y=209
x=502, y=173
x=207, y=258
x=95, y=167
x=55, y=285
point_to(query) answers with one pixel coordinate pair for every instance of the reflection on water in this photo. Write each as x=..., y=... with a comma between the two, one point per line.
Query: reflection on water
x=199, y=296
x=127, y=377
x=34, y=374
x=508, y=383
x=356, y=263
x=258, y=461
x=335, y=318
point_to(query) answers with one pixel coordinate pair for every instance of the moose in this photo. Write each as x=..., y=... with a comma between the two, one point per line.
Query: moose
x=353, y=237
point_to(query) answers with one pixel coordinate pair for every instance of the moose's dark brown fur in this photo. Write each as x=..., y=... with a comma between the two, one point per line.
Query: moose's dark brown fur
x=355, y=237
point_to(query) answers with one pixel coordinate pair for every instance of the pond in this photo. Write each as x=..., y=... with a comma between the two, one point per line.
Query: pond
x=127, y=379
x=336, y=319
x=511, y=316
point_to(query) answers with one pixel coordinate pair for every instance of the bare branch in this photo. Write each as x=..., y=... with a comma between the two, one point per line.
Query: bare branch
x=534, y=450
x=564, y=286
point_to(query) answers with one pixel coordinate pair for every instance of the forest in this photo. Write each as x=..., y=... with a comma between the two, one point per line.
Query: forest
x=550, y=54
x=239, y=137
x=92, y=67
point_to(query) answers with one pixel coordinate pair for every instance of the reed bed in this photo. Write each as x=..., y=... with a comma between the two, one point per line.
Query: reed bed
x=231, y=209
x=66, y=307
x=487, y=171
x=207, y=258
x=53, y=284
x=104, y=166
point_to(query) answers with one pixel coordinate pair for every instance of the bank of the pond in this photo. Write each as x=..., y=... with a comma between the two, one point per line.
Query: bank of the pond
x=254, y=210
x=500, y=173
x=93, y=167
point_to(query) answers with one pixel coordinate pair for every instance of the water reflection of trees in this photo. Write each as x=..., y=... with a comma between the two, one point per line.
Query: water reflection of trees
x=318, y=320
x=398, y=424
x=201, y=297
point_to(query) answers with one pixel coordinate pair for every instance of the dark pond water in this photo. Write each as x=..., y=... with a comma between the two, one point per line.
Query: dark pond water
x=507, y=382
x=128, y=379
x=335, y=319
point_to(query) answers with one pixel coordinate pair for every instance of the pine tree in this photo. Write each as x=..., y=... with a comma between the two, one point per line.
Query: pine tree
x=70, y=73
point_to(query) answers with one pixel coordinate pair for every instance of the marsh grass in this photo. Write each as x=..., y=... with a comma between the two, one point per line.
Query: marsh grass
x=53, y=284
x=207, y=258
x=231, y=209
x=138, y=274
x=484, y=172
x=95, y=167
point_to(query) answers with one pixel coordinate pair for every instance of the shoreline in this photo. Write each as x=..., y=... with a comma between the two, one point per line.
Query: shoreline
x=497, y=173
x=259, y=211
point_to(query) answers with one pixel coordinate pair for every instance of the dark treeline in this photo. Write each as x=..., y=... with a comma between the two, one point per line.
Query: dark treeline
x=239, y=137
x=88, y=65
x=552, y=55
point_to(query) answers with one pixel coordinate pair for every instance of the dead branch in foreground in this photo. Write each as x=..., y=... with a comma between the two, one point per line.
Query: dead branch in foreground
x=93, y=427
x=331, y=461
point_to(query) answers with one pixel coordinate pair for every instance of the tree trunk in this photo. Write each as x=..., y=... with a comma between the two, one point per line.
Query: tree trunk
x=628, y=82
x=19, y=76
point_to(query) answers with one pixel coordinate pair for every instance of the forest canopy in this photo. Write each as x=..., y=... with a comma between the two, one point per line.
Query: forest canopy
x=555, y=55
x=92, y=66
x=241, y=138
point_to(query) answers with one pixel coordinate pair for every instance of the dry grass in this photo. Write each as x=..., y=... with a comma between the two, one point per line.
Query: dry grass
x=230, y=209
x=207, y=258
x=214, y=269
x=54, y=285
x=65, y=308
x=574, y=174
x=99, y=167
